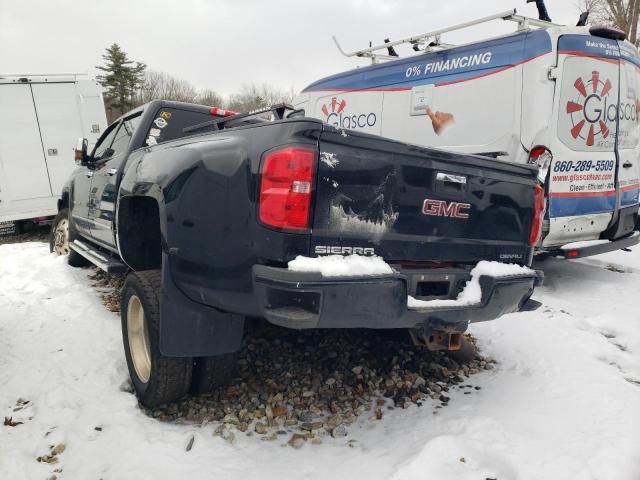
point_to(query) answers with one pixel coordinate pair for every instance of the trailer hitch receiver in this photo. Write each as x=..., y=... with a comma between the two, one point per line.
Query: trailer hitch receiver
x=438, y=340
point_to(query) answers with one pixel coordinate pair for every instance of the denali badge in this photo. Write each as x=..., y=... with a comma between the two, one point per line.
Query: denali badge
x=510, y=256
x=441, y=208
x=324, y=250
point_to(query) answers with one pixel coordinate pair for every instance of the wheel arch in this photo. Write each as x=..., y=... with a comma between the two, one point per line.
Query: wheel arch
x=139, y=232
x=63, y=201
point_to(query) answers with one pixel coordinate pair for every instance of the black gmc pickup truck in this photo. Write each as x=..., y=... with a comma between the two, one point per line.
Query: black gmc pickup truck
x=205, y=209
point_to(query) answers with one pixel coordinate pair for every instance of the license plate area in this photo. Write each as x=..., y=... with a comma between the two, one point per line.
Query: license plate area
x=436, y=285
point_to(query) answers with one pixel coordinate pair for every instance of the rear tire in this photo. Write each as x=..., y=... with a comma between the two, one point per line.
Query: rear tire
x=209, y=373
x=156, y=379
x=60, y=237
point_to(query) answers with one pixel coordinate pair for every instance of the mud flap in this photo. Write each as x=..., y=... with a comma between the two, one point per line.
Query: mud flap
x=190, y=329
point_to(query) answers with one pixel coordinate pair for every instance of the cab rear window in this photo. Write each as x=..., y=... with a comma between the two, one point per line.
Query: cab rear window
x=169, y=123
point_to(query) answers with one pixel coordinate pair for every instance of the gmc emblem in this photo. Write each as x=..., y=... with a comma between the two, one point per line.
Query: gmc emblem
x=441, y=208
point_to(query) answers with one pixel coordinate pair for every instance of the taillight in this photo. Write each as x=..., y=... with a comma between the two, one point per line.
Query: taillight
x=542, y=157
x=538, y=215
x=219, y=112
x=285, y=188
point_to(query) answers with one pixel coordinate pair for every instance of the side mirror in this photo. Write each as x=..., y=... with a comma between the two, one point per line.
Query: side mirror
x=81, y=152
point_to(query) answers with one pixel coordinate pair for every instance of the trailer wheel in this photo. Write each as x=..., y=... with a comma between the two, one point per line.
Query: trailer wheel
x=60, y=237
x=157, y=379
x=210, y=373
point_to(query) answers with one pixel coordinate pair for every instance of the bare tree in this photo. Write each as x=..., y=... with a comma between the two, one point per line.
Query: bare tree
x=161, y=86
x=252, y=97
x=623, y=14
x=210, y=97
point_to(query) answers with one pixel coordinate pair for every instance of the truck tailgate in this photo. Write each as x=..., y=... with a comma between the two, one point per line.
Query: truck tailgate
x=407, y=204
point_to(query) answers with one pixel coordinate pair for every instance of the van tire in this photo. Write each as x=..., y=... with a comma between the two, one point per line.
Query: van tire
x=210, y=373
x=157, y=379
x=60, y=237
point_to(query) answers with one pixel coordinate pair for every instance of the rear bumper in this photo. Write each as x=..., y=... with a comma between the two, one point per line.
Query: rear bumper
x=307, y=300
x=587, y=249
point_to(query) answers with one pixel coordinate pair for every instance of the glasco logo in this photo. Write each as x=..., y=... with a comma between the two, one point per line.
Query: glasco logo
x=335, y=115
x=594, y=111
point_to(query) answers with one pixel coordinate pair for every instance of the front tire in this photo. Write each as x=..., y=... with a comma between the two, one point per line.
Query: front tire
x=156, y=379
x=60, y=237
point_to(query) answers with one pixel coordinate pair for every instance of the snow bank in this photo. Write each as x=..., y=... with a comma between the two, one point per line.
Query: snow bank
x=472, y=293
x=339, y=266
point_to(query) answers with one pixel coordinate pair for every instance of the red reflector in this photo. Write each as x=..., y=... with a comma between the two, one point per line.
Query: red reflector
x=219, y=112
x=573, y=253
x=538, y=215
x=535, y=153
x=285, y=188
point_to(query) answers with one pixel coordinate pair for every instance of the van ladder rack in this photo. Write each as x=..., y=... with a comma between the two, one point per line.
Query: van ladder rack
x=431, y=40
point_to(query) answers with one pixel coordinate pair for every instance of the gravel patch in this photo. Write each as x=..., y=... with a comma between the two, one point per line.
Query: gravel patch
x=303, y=386
x=109, y=287
x=317, y=383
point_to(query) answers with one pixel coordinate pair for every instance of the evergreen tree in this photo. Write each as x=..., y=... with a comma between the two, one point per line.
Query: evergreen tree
x=122, y=79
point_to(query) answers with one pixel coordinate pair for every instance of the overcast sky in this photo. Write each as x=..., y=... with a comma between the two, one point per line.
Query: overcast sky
x=221, y=44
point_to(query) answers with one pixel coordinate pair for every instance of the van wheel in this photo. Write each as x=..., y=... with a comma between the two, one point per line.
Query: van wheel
x=209, y=373
x=157, y=379
x=60, y=237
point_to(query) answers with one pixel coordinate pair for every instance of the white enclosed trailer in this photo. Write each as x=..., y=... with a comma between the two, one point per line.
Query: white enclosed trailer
x=41, y=118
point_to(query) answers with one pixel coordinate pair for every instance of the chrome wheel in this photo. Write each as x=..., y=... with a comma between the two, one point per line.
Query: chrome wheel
x=138, y=334
x=61, y=237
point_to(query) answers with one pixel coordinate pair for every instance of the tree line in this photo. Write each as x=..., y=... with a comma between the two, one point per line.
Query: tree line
x=129, y=84
x=623, y=14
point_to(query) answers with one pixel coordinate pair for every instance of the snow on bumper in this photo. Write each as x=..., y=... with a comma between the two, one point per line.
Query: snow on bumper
x=376, y=299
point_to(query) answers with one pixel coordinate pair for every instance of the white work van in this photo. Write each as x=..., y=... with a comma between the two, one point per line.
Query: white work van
x=564, y=98
x=41, y=118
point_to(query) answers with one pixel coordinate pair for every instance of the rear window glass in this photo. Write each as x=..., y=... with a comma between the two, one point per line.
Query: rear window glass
x=588, y=105
x=169, y=123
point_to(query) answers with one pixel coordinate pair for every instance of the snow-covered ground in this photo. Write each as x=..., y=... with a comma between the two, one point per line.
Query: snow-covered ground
x=562, y=403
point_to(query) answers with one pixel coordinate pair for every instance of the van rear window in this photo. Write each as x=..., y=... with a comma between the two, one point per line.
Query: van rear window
x=588, y=113
x=169, y=123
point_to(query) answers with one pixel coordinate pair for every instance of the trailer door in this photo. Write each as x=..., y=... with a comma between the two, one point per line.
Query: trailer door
x=59, y=117
x=582, y=187
x=24, y=170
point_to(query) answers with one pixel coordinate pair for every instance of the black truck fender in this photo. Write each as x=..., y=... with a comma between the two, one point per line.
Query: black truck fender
x=145, y=229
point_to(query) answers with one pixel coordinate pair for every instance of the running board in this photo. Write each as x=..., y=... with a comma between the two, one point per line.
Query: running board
x=100, y=259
